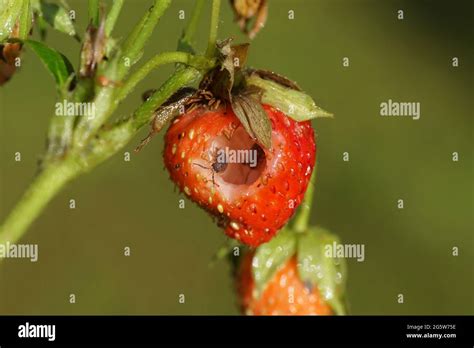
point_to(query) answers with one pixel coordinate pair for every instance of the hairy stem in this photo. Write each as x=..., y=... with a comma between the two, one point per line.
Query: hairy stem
x=112, y=16
x=182, y=77
x=93, y=9
x=107, y=99
x=109, y=141
x=211, y=46
x=49, y=182
x=87, y=151
x=88, y=126
x=133, y=46
x=186, y=41
x=302, y=218
x=198, y=62
x=24, y=20
x=40, y=192
x=59, y=136
x=116, y=70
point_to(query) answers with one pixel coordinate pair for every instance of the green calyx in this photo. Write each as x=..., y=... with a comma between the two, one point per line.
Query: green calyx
x=225, y=82
x=316, y=267
x=284, y=95
x=247, y=89
x=269, y=257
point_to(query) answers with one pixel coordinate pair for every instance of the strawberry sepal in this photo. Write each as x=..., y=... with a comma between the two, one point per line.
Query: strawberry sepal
x=318, y=268
x=284, y=95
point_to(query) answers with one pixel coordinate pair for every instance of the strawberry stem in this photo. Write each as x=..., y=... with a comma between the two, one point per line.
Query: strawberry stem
x=211, y=46
x=24, y=20
x=302, y=218
x=45, y=186
x=198, y=62
x=93, y=143
x=186, y=40
x=132, y=48
x=112, y=16
x=116, y=70
x=107, y=143
x=93, y=9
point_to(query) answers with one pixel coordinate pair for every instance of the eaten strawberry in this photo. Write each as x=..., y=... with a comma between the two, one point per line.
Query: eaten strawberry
x=251, y=202
x=284, y=293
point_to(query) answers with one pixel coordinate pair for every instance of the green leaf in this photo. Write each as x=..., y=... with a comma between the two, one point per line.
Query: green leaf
x=57, y=17
x=57, y=64
x=245, y=103
x=294, y=103
x=270, y=256
x=273, y=76
x=316, y=268
x=253, y=117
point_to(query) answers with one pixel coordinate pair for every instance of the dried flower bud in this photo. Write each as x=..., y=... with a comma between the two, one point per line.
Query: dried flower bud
x=247, y=11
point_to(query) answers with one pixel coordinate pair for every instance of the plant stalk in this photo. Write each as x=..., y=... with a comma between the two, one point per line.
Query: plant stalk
x=45, y=186
x=25, y=20
x=211, y=46
x=186, y=41
x=133, y=46
x=93, y=9
x=50, y=181
x=198, y=62
x=302, y=218
x=80, y=158
x=112, y=16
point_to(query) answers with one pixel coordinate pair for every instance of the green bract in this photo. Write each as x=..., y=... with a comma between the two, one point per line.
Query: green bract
x=270, y=256
x=295, y=104
x=317, y=269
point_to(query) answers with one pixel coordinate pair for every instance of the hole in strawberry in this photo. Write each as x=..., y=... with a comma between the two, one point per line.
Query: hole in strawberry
x=240, y=159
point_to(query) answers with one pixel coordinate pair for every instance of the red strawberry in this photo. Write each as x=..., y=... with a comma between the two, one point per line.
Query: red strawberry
x=284, y=294
x=252, y=204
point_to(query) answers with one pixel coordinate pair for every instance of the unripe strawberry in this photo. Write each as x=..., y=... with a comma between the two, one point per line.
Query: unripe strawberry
x=284, y=293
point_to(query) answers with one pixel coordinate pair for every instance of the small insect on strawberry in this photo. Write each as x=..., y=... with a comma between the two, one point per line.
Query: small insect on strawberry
x=165, y=112
x=251, y=202
x=216, y=166
x=250, y=199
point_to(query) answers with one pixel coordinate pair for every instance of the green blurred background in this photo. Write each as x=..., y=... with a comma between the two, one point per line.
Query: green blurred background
x=133, y=203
